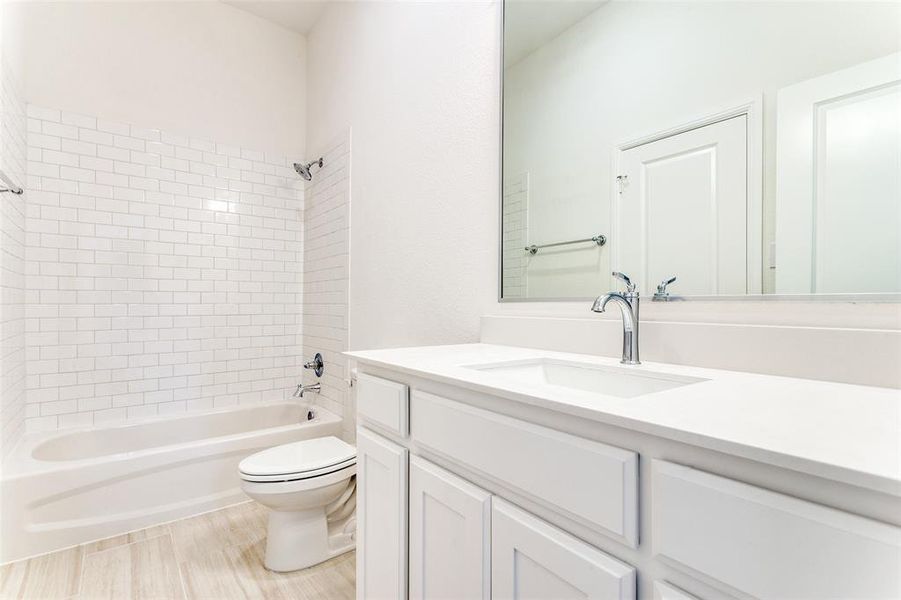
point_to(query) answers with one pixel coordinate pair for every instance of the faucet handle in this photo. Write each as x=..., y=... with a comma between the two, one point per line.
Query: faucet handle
x=662, y=287
x=316, y=364
x=662, y=294
x=630, y=287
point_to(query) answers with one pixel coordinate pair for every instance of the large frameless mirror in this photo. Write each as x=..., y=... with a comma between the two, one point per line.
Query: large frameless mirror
x=742, y=147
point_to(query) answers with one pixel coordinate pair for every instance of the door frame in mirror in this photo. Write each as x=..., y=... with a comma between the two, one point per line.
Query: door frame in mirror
x=752, y=110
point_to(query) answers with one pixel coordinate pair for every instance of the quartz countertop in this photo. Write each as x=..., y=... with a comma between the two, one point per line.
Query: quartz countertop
x=849, y=433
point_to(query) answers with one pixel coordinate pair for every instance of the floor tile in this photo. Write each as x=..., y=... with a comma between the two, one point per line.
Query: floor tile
x=137, y=571
x=217, y=555
x=242, y=524
x=54, y=575
x=125, y=538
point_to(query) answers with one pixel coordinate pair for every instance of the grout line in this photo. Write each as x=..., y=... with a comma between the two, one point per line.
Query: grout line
x=147, y=539
x=81, y=572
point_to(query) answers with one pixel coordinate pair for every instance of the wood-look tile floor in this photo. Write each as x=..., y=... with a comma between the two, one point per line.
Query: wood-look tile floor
x=218, y=555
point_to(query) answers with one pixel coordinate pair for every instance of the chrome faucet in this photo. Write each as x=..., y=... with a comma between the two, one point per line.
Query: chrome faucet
x=302, y=389
x=628, y=306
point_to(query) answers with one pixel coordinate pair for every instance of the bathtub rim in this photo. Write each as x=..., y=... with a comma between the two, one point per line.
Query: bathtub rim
x=20, y=462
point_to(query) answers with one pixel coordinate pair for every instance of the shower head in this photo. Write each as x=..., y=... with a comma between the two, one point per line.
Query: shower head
x=304, y=169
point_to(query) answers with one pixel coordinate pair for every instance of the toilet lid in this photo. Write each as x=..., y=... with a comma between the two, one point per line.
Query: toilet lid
x=299, y=457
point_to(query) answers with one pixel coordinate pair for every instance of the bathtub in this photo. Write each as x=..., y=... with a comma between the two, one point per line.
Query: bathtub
x=65, y=488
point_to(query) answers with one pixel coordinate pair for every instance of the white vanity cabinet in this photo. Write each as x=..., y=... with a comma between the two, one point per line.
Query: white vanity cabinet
x=595, y=484
x=770, y=545
x=532, y=559
x=465, y=495
x=383, y=403
x=381, y=517
x=450, y=529
x=665, y=591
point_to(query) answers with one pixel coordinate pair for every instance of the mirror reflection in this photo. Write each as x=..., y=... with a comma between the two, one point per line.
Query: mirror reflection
x=741, y=147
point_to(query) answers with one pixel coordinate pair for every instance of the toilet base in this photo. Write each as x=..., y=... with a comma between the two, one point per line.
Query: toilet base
x=300, y=539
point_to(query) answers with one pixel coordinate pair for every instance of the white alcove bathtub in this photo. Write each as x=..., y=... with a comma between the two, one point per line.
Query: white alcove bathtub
x=64, y=488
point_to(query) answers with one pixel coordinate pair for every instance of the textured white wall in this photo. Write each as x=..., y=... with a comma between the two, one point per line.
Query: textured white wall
x=204, y=69
x=163, y=272
x=418, y=84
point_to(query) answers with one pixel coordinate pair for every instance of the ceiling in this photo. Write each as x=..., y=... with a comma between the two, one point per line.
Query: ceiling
x=530, y=24
x=296, y=15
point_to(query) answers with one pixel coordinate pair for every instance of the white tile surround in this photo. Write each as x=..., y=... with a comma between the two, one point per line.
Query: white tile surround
x=516, y=215
x=12, y=263
x=163, y=272
x=325, y=279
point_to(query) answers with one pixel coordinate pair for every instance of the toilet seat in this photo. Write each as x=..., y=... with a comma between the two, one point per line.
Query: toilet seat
x=299, y=460
x=286, y=477
x=260, y=490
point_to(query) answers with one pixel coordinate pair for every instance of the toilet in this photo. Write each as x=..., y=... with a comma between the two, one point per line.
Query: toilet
x=310, y=488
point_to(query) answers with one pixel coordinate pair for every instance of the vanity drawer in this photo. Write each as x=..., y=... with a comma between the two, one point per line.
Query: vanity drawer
x=592, y=483
x=767, y=544
x=383, y=403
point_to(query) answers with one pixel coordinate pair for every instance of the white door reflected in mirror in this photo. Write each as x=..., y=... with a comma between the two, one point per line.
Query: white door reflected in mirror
x=683, y=208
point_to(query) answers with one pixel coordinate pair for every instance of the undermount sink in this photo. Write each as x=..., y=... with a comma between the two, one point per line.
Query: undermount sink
x=610, y=381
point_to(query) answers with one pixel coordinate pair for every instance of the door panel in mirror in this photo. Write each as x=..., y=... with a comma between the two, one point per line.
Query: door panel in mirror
x=838, y=181
x=683, y=208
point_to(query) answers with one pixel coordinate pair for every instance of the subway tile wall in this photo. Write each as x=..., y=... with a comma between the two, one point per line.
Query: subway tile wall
x=12, y=263
x=164, y=273
x=325, y=279
x=515, y=223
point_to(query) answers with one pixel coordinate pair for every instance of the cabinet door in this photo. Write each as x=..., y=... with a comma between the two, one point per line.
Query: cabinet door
x=381, y=518
x=532, y=559
x=449, y=535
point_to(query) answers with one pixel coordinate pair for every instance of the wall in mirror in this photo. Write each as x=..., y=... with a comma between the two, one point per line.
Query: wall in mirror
x=743, y=147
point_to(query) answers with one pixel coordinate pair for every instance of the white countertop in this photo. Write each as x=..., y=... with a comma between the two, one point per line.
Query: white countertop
x=849, y=433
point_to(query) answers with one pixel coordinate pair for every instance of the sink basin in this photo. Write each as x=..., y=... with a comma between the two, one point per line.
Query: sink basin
x=610, y=381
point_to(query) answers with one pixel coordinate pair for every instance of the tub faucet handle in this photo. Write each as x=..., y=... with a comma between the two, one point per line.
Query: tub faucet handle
x=316, y=364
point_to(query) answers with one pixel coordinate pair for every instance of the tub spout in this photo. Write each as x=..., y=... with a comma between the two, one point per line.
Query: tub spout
x=302, y=389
